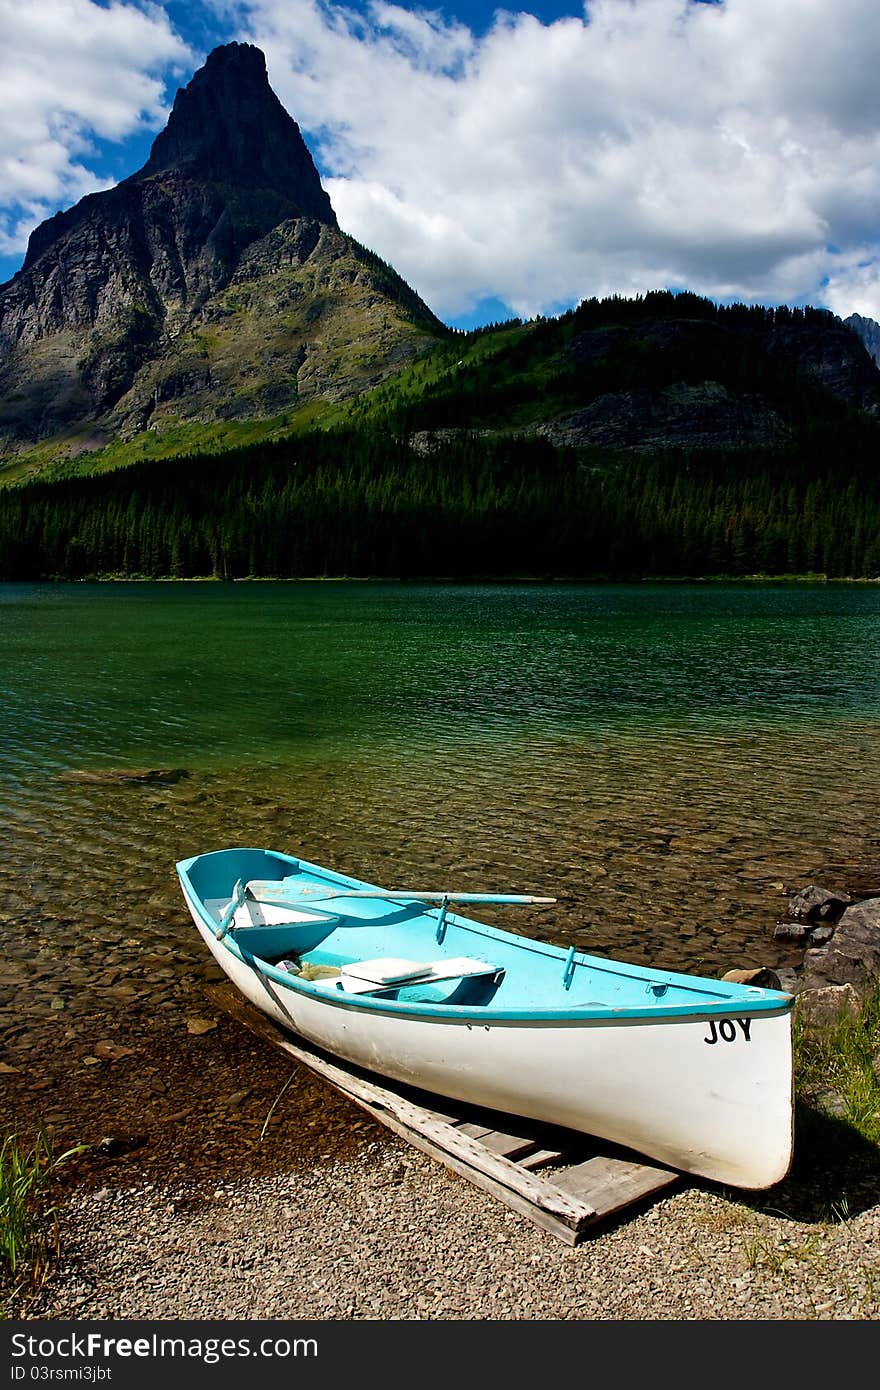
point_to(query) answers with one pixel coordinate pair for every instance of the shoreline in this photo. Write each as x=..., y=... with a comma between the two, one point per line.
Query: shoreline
x=217, y=1165
x=601, y=580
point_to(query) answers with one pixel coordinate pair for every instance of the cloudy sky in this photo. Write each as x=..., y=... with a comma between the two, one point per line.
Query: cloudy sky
x=503, y=160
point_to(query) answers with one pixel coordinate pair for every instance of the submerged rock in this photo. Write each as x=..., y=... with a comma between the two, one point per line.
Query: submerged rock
x=198, y=1026
x=103, y=776
x=112, y=1145
x=108, y=1051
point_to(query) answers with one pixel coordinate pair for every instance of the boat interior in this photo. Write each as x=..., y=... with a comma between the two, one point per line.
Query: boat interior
x=300, y=920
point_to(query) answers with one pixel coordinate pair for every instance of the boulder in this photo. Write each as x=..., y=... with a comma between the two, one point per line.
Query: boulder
x=817, y=904
x=789, y=979
x=759, y=976
x=819, y=1008
x=112, y=1145
x=819, y=936
x=852, y=956
x=792, y=931
x=832, y=1103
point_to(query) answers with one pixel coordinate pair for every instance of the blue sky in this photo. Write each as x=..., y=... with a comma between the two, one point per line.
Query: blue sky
x=510, y=160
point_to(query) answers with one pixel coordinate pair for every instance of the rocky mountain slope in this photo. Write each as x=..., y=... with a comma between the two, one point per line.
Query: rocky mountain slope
x=213, y=284
x=662, y=371
x=211, y=300
x=733, y=384
x=869, y=332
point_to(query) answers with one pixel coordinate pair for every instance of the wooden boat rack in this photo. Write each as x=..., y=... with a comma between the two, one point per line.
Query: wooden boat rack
x=561, y=1181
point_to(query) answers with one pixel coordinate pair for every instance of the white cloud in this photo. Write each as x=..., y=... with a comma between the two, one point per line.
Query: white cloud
x=733, y=148
x=853, y=287
x=72, y=71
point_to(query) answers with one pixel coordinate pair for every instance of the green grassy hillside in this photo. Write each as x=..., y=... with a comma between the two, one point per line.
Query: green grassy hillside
x=792, y=365
x=664, y=436
x=659, y=372
x=309, y=320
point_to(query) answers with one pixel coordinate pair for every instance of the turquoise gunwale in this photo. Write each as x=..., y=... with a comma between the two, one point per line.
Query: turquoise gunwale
x=726, y=999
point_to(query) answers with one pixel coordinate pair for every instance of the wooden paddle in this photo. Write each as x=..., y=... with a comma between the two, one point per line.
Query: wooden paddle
x=275, y=895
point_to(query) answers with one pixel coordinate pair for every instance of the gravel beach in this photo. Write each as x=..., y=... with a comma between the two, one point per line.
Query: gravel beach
x=239, y=1185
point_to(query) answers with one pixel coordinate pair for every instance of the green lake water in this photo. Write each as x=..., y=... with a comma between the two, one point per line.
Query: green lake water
x=669, y=760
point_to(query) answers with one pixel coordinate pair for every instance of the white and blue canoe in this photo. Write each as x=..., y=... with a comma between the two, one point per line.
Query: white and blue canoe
x=694, y=1073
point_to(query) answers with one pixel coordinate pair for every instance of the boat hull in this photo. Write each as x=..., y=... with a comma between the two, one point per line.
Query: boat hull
x=707, y=1095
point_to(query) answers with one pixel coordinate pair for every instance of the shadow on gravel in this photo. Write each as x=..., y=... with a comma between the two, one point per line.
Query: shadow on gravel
x=835, y=1174
x=187, y=1111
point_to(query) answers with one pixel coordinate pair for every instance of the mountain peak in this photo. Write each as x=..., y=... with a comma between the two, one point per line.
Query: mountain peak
x=227, y=126
x=869, y=332
x=212, y=284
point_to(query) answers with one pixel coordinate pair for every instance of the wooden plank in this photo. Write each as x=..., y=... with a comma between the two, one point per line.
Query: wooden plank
x=464, y=1139
x=474, y=1130
x=499, y=1141
x=539, y=1159
x=447, y=1117
x=509, y=1145
x=458, y=1151
x=565, y=1228
x=609, y=1184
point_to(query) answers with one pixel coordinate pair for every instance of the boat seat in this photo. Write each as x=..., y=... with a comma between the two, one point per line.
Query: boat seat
x=369, y=976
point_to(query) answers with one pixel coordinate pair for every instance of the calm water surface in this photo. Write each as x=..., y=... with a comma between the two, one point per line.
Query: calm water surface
x=670, y=760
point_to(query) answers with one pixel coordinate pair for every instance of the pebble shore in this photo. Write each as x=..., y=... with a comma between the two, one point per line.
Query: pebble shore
x=239, y=1185
x=392, y=1236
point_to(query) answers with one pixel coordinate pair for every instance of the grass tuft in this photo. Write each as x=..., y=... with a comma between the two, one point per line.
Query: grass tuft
x=28, y=1227
x=762, y=1253
x=843, y=1059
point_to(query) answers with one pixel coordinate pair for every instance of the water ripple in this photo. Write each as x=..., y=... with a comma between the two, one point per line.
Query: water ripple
x=669, y=762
